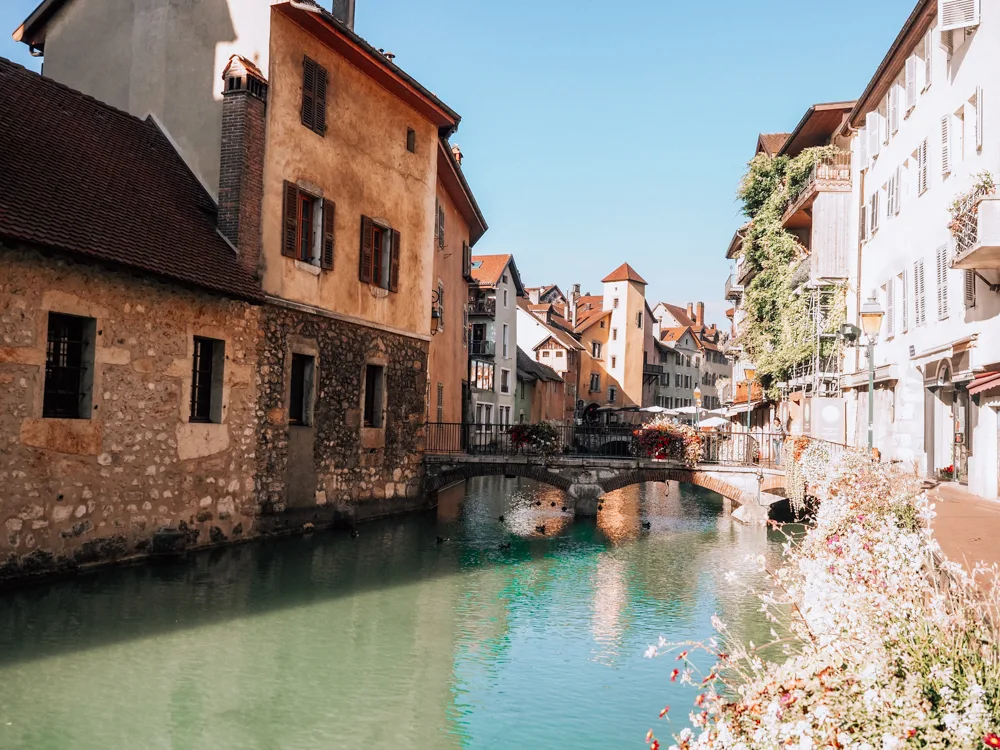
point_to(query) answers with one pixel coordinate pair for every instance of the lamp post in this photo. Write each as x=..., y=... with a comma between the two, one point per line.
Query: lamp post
x=871, y=323
x=749, y=371
x=697, y=408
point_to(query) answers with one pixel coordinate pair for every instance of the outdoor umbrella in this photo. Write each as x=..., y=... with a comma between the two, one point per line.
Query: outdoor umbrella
x=714, y=422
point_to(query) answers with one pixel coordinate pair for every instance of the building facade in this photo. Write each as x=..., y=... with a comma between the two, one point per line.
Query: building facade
x=926, y=148
x=541, y=392
x=493, y=294
x=548, y=337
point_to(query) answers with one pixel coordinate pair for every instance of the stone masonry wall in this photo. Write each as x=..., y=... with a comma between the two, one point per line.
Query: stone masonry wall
x=75, y=491
x=338, y=471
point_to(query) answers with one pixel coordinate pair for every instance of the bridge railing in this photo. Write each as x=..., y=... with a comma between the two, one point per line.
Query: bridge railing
x=600, y=441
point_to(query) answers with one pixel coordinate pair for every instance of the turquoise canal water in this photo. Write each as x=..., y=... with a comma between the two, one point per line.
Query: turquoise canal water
x=389, y=640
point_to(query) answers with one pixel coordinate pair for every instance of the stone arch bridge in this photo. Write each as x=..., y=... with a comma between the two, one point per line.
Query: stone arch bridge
x=749, y=489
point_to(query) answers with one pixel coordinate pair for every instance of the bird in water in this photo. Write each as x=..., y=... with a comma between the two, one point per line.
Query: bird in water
x=540, y=529
x=646, y=525
x=538, y=502
x=442, y=539
x=553, y=505
x=500, y=519
x=505, y=545
x=354, y=533
x=564, y=509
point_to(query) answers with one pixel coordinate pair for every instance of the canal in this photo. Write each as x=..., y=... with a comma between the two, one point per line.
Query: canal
x=496, y=635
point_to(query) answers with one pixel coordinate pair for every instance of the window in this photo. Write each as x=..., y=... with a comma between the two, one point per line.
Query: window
x=595, y=349
x=677, y=380
x=411, y=140
x=439, y=224
x=206, y=380
x=481, y=374
x=942, y=281
x=595, y=382
x=545, y=353
x=374, y=394
x=313, y=96
x=922, y=167
x=308, y=227
x=873, y=215
x=505, y=298
x=559, y=353
x=903, y=309
x=300, y=390
x=504, y=381
x=69, y=367
x=946, y=145
x=614, y=334
x=440, y=406
x=919, y=299
x=687, y=381
x=506, y=341
x=614, y=361
x=379, y=255
x=615, y=303
x=638, y=320
x=612, y=394
x=479, y=413
x=488, y=414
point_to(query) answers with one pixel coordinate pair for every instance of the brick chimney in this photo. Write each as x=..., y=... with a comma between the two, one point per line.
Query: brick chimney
x=535, y=296
x=700, y=319
x=241, y=166
x=690, y=311
x=343, y=11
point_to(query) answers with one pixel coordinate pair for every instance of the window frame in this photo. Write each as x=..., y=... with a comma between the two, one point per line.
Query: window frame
x=79, y=356
x=305, y=383
x=207, y=374
x=373, y=396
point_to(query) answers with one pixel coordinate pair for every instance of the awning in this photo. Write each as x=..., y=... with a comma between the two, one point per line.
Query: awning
x=984, y=381
x=883, y=374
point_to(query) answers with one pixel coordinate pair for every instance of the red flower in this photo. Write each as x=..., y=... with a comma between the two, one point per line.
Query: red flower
x=673, y=675
x=992, y=740
x=664, y=711
x=655, y=745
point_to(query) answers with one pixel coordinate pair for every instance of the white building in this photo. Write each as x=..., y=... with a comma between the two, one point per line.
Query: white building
x=927, y=124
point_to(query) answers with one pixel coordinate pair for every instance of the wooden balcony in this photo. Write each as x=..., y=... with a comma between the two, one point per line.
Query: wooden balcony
x=733, y=289
x=977, y=234
x=830, y=175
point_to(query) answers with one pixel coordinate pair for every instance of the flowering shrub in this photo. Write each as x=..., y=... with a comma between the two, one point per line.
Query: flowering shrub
x=541, y=438
x=663, y=439
x=885, y=646
x=806, y=458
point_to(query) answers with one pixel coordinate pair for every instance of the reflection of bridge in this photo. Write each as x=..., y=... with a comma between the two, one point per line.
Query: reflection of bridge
x=732, y=465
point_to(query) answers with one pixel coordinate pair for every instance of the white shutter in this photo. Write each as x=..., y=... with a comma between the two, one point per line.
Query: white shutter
x=903, y=299
x=890, y=309
x=919, y=299
x=862, y=149
x=957, y=14
x=873, y=214
x=873, y=129
x=929, y=58
x=922, y=167
x=894, y=109
x=942, y=282
x=890, y=196
x=863, y=223
x=946, y=144
x=883, y=120
x=979, y=118
x=911, y=82
x=899, y=182
x=970, y=289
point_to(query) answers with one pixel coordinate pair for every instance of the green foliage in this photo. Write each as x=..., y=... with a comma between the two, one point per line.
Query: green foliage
x=777, y=333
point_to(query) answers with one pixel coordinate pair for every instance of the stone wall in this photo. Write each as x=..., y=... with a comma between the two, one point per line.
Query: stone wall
x=335, y=470
x=75, y=491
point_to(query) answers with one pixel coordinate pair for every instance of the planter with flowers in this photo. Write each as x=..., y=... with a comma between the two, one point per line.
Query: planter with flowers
x=666, y=441
x=535, y=438
x=947, y=473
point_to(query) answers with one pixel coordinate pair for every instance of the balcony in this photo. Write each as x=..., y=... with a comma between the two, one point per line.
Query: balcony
x=976, y=228
x=482, y=349
x=648, y=369
x=483, y=308
x=734, y=291
x=831, y=174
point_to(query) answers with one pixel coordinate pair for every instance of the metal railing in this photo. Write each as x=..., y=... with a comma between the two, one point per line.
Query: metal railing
x=965, y=221
x=830, y=169
x=483, y=307
x=733, y=289
x=649, y=369
x=481, y=348
x=601, y=441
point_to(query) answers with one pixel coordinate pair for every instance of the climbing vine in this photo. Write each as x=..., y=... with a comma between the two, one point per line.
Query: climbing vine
x=778, y=333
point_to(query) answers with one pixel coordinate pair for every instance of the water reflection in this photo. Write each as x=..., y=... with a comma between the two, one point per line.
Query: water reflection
x=501, y=635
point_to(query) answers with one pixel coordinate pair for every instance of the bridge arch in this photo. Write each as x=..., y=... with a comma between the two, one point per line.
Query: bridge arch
x=539, y=473
x=629, y=477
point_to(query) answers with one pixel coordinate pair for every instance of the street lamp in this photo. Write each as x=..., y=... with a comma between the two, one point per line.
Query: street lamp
x=871, y=324
x=697, y=407
x=749, y=371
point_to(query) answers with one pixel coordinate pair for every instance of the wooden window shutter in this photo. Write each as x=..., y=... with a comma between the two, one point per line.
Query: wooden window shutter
x=970, y=288
x=942, y=281
x=890, y=196
x=394, y=263
x=896, y=185
x=919, y=300
x=365, y=269
x=929, y=58
x=884, y=119
x=862, y=150
x=911, y=82
x=979, y=118
x=863, y=223
x=890, y=308
x=320, y=116
x=329, y=215
x=893, y=109
x=441, y=227
x=872, y=129
x=946, y=144
x=289, y=237
x=922, y=167
x=309, y=93
x=903, y=303
x=957, y=14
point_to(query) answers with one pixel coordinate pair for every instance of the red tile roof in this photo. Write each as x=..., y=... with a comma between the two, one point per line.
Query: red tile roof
x=680, y=314
x=487, y=269
x=771, y=142
x=624, y=272
x=82, y=177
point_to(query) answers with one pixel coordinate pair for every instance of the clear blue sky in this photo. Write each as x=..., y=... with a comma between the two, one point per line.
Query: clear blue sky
x=601, y=132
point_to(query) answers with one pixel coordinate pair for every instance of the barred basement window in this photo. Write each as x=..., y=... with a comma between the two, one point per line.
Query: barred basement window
x=69, y=367
x=206, y=379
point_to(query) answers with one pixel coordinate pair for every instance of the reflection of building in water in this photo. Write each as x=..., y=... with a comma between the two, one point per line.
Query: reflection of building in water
x=610, y=600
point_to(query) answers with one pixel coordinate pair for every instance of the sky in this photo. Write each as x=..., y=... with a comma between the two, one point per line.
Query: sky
x=601, y=132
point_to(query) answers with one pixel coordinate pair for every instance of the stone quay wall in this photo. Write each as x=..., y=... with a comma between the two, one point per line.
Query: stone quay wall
x=79, y=491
